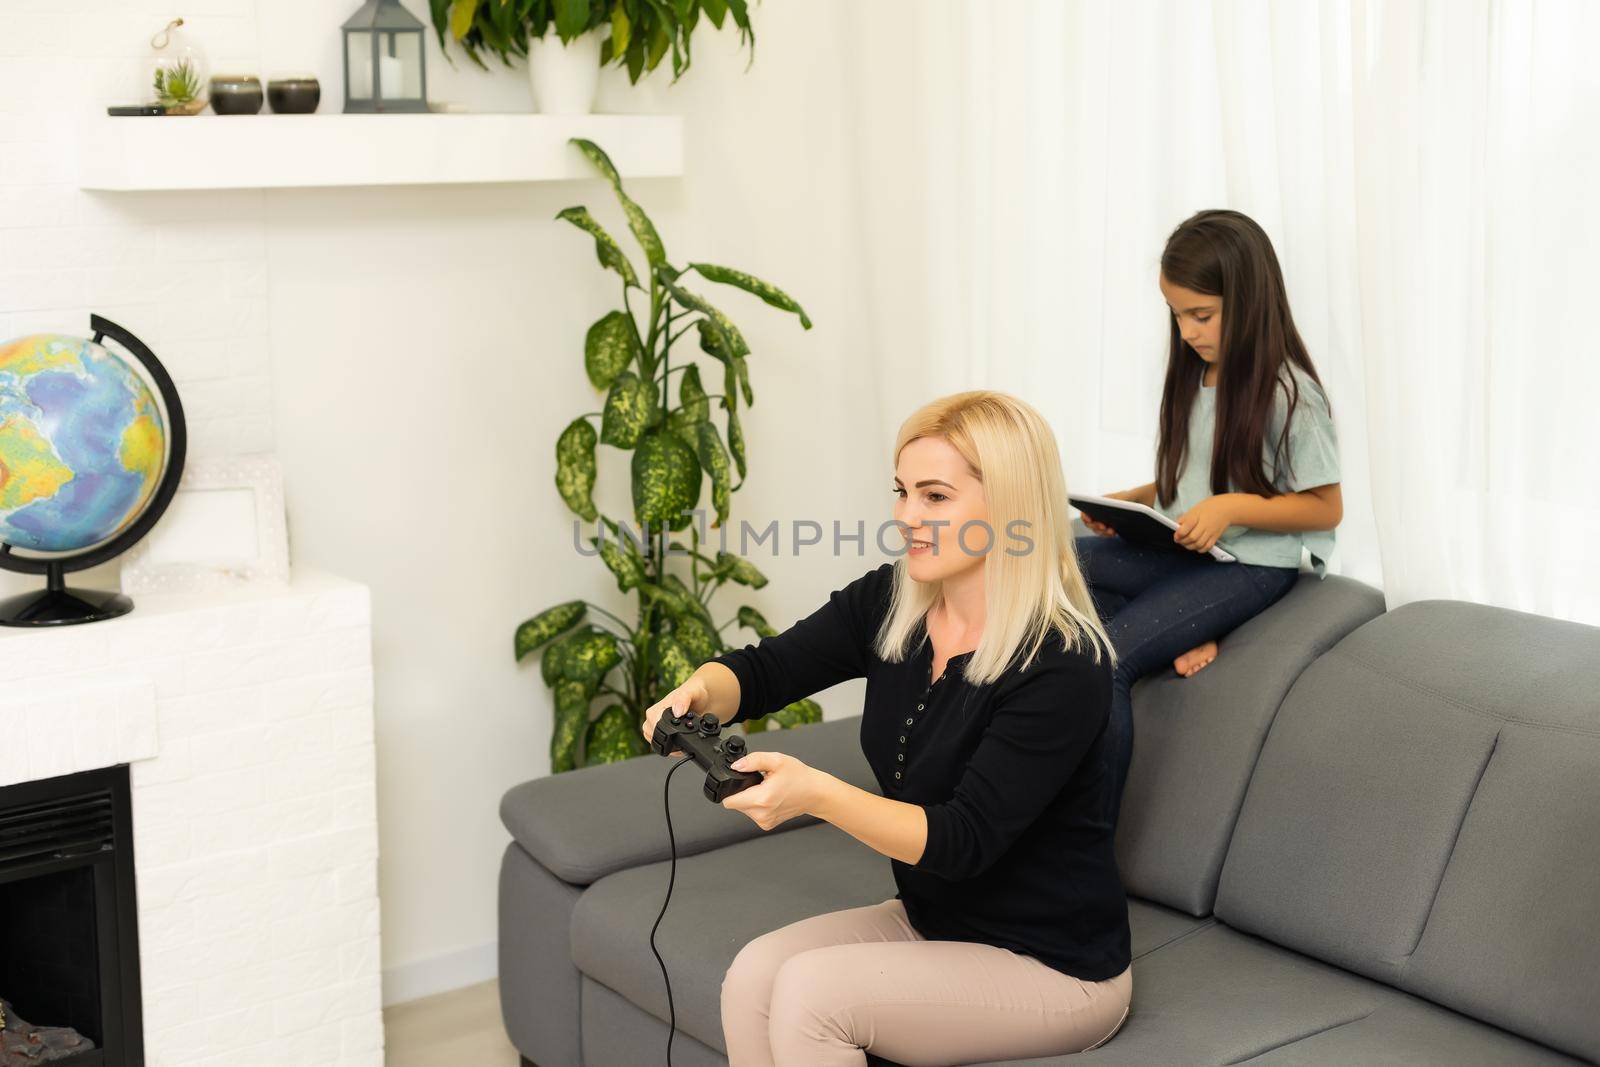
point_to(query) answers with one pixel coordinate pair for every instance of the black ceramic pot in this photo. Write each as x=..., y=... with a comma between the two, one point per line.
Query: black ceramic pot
x=294, y=96
x=235, y=94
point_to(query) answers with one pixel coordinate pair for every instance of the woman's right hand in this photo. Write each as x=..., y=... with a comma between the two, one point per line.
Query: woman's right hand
x=690, y=696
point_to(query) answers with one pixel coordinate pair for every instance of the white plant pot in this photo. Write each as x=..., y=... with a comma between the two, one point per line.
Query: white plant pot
x=564, y=77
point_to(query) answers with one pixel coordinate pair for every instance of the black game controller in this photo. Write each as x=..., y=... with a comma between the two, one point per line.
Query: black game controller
x=700, y=736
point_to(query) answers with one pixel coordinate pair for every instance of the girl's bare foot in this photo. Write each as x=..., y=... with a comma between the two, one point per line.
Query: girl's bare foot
x=1194, y=659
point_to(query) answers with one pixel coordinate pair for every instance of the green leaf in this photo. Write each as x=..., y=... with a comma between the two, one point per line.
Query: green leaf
x=666, y=481
x=683, y=423
x=606, y=248
x=692, y=395
x=672, y=662
x=799, y=713
x=439, y=11
x=736, y=379
x=461, y=14
x=623, y=561
x=575, y=467
x=572, y=18
x=635, y=59
x=584, y=655
x=738, y=569
x=714, y=459
x=620, y=27
x=631, y=407
x=660, y=39
x=699, y=640
x=749, y=283
x=644, y=231
x=609, y=347
x=736, y=441
x=672, y=600
x=549, y=623
x=690, y=605
x=719, y=337
x=716, y=11
x=756, y=621
x=614, y=736
x=572, y=721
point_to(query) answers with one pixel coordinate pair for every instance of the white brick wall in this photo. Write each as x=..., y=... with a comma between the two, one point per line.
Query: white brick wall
x=186, y=273
x=247, y=720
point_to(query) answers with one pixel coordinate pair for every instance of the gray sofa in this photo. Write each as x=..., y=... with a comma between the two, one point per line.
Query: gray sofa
x=1358, y=838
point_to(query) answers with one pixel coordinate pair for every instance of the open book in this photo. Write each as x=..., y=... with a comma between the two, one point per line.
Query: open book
x=1138, y=523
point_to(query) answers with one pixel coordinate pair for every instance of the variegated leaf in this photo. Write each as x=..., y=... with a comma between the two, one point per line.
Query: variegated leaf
x=666, y=481
x=613, y=736
x=740, y=570
x=548, y=624
x=575, y=467
x=631, y=408
x=714, y=459
x=610, y=346
x=755, y=286
x=606, y=248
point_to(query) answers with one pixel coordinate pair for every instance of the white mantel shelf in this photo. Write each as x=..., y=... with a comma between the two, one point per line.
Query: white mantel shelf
x=269, y=151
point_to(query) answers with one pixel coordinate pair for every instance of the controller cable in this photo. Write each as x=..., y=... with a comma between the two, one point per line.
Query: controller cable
x=666, y=805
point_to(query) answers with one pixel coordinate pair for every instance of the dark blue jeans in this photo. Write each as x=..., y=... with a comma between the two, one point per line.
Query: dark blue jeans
x=1156, y=604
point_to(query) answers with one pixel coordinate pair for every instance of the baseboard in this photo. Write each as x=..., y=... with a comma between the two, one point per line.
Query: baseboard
x=441, y=974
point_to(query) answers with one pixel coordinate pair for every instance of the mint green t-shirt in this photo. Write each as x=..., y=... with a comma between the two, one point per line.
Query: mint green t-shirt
x=1313, y=455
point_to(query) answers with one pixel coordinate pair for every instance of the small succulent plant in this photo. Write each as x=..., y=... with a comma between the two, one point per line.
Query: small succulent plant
x=178, y=85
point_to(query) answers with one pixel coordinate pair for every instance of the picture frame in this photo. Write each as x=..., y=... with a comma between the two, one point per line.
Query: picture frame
x=226, y=527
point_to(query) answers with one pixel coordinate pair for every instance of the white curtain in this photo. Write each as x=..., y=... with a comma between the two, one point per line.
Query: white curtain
x=1426, y=171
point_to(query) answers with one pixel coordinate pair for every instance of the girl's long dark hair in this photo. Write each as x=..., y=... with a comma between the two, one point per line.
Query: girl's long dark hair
x=1224, y=253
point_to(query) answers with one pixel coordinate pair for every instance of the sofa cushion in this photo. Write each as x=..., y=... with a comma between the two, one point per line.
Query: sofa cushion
x=1196, y=740
x=584, y=824
x=1424, y=812
x=1408, y=1032
x=720, y=901
x=753, y=887
x=1223, y=997
x=1186, y=1011
x=1514, y=935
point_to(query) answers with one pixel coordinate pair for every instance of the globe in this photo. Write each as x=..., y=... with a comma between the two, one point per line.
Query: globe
x=82, y=443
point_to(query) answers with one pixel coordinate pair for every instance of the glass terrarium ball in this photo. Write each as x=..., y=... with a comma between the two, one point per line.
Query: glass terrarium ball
x=179, y=74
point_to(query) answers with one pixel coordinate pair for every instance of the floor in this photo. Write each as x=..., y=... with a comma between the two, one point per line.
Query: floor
x=459, y=1027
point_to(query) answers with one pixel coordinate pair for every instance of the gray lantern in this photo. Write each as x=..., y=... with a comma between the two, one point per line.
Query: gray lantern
x=384, y=67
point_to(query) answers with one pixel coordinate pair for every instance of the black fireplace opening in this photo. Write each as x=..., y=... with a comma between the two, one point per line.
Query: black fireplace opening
x=69, y=942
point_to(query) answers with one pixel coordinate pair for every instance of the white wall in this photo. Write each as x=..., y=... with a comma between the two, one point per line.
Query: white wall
x=427, y=349
x=411, y=354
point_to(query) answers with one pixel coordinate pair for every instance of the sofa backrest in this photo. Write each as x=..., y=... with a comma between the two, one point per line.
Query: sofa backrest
x=1195, y=740
x=1426, y=811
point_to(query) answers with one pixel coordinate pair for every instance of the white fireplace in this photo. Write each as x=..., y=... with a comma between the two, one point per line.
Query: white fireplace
x=246, y=719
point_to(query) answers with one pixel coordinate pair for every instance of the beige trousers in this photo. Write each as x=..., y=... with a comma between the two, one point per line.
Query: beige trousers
x=819, y=992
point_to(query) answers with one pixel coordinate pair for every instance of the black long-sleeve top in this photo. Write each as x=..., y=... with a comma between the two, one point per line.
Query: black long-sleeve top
x=1019, y=850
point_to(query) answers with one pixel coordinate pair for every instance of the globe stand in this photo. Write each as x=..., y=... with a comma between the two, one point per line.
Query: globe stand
x=58, y=605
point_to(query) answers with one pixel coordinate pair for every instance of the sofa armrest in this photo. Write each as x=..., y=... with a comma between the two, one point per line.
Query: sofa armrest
x=582, y=825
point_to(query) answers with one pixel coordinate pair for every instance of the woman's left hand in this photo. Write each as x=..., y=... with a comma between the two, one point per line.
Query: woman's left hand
x=790, y=788
x=1201, y=526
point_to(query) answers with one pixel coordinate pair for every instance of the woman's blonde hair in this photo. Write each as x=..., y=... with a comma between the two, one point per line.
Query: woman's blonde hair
x=1030, y=590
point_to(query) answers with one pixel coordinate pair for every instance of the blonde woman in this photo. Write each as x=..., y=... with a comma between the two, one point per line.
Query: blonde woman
x=988, y=693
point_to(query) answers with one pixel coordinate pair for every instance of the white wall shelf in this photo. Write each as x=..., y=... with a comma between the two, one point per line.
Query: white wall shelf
x=296, y=151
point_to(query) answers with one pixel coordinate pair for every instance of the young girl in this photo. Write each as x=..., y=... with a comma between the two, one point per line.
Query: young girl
x=1246, y=459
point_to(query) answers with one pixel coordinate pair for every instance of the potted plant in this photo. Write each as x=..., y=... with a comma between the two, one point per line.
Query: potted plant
x=178, y=88
x=566, y=42
x=590, y=655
